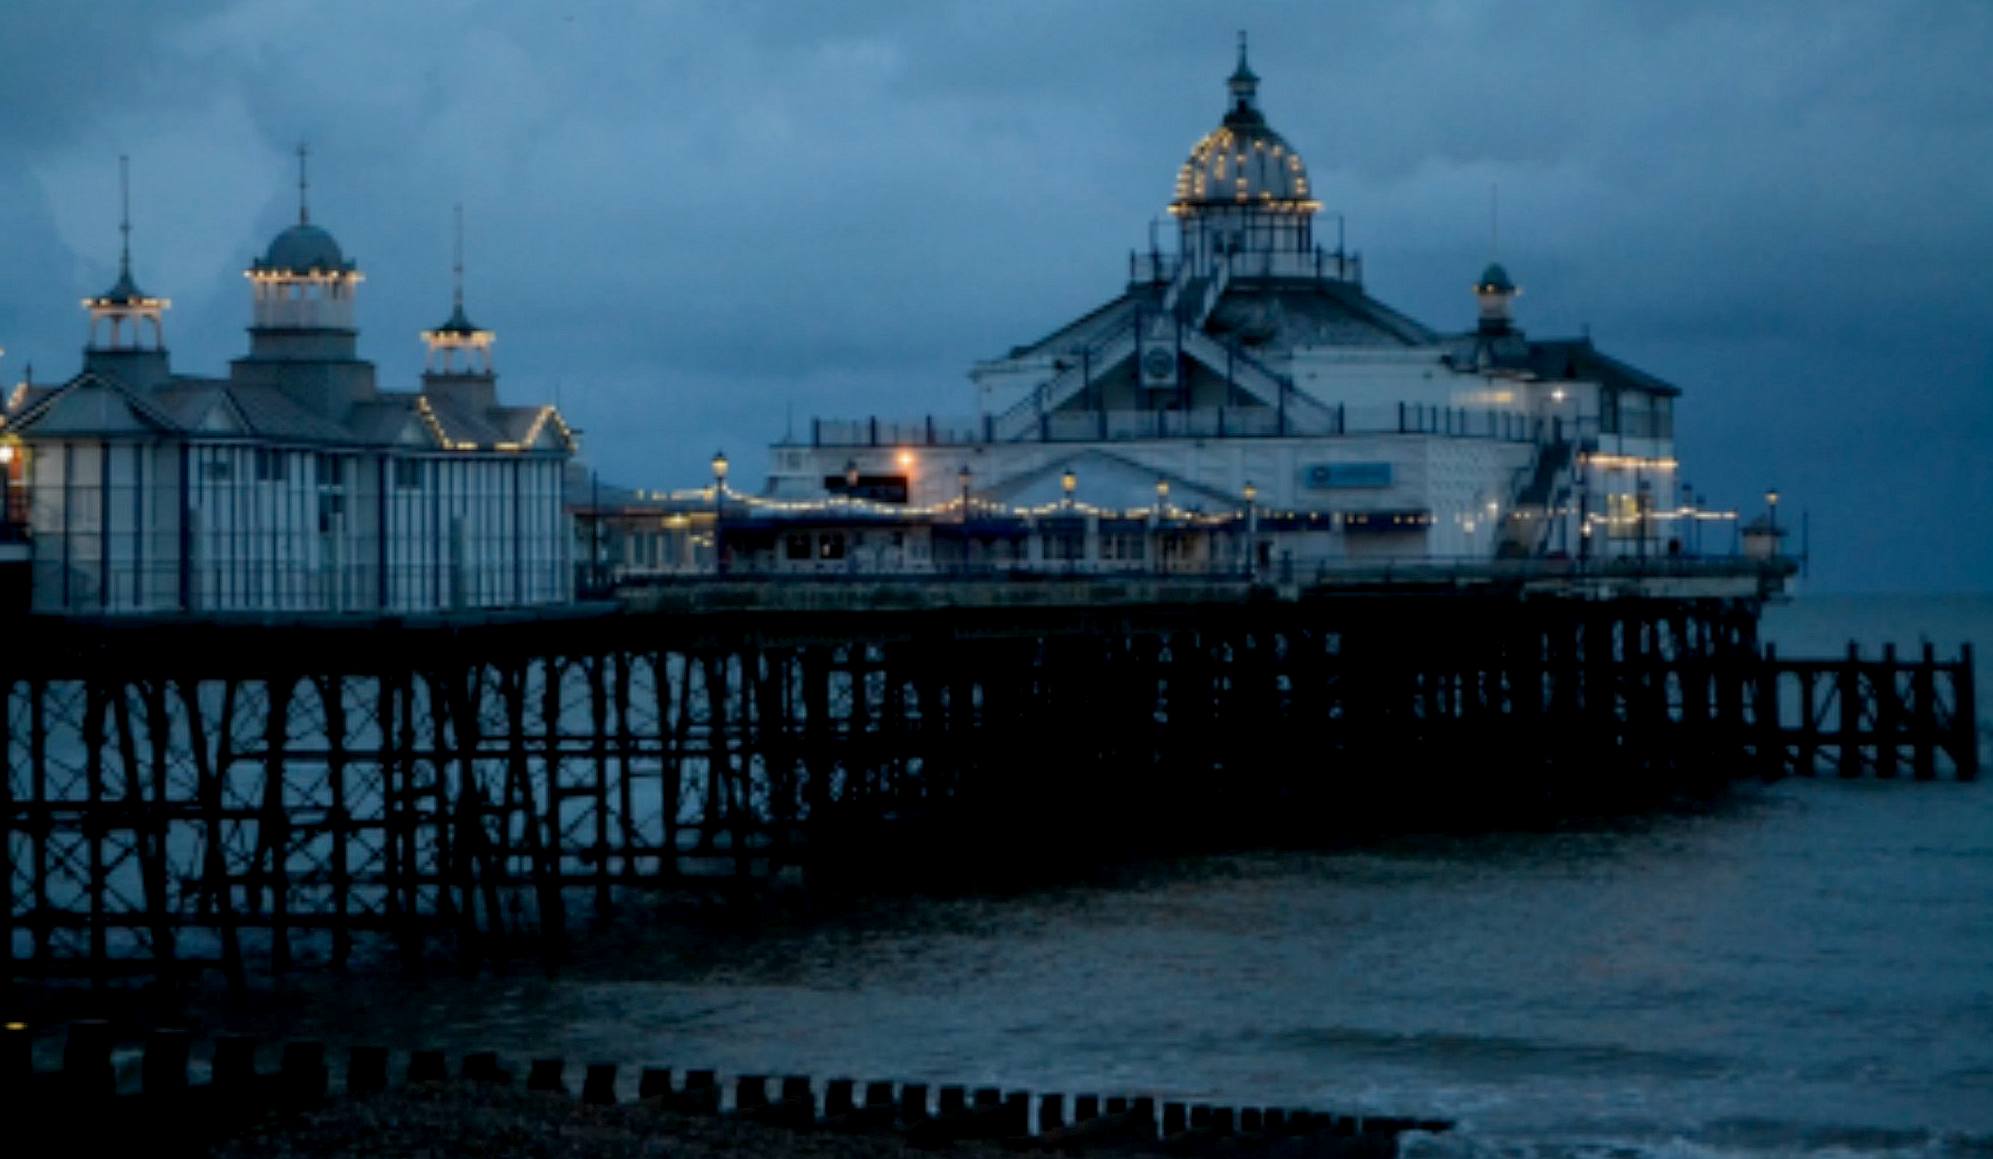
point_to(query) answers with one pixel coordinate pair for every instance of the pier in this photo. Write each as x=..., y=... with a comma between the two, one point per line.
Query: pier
x=254, y=796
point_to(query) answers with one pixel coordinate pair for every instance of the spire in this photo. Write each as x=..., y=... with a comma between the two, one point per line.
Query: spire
x=304, y=187
x=121, y=316
x=459, y=349
x=124, y=218
x=1244, y=84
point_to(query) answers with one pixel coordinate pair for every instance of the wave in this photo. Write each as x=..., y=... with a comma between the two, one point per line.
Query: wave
x=1733, y=1138
x=1477, y=1051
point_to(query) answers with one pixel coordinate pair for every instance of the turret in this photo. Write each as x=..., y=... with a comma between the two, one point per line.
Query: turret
x=127, y=325
x=302, y=335
x=458, y=368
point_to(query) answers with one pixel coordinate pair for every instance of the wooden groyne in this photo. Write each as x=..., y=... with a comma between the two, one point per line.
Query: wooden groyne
x=85, y=1097
x=243, y=796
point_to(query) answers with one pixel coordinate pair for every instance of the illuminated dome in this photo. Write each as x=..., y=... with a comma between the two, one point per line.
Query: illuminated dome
x=1243, y=162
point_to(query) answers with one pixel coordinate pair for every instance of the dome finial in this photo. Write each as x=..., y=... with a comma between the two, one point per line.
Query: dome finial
x=1243, y=82
x=124, y=218
x=304, y=207
x=457, y=271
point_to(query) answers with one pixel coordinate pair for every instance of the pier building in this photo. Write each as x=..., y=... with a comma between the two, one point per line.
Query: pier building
x=293, y=483
x=1244, y=402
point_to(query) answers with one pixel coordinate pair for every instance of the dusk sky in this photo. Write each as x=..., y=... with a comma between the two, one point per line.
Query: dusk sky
x=691, y=222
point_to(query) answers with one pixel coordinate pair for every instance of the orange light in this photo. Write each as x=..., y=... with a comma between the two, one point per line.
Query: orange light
x=905, y=460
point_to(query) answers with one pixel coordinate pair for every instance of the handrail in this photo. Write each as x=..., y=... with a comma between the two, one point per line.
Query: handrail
x=1214, y=290
x=1091, y=360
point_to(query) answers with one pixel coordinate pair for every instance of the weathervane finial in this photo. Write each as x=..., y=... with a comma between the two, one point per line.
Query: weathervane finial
x=124, y=219
x=457, y=270
x=304, y=186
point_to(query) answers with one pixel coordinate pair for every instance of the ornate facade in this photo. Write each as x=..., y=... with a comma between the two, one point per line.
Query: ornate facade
x=293, y=484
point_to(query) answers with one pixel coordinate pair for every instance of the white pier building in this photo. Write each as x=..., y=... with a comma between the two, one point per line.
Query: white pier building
x=1244, y=402
x=294, y=484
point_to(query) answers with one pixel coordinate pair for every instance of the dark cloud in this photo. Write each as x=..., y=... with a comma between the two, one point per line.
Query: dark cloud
x=692, y=220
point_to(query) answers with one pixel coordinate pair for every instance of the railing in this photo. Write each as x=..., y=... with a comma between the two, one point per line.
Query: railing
x=1298, y=415
x=872, y=432
x=1213, y=291
x=1159, y=267
x=1298, y=576
x=1127, y=425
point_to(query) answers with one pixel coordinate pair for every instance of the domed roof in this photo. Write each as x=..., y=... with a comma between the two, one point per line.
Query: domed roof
x=1495, y=280
x=303, y=249
x=1243, y=161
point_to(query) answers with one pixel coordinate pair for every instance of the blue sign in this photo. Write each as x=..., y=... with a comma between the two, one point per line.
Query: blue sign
x=1338, y=476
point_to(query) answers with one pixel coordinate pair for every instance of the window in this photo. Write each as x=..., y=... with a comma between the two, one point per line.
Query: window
x=272, y=466
x=408, y=474
x=331, y=470
x=216, y=468
x=831, y=547
x=797, y=546
x=331, y=509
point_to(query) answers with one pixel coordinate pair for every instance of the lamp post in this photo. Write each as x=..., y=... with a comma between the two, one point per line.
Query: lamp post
x=963, y=476
x=1252, y=530
x=1584, y=511
x=1771, y=514
x=1685, y=533
x=1162, y=501
x=719, y=510
x=1643, y=497
x=1069, y=483
x=851, y=478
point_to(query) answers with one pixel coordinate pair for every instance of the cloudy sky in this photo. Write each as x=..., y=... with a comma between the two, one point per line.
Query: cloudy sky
x=693, y=221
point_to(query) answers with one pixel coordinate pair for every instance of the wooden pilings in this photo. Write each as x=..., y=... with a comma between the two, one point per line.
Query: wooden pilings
x=181, y=797
x=1859, y=716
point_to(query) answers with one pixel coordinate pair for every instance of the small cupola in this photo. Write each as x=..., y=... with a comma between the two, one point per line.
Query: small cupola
x=127, y=325
x=458, y=364
x=1496, y=293
x=304, y=284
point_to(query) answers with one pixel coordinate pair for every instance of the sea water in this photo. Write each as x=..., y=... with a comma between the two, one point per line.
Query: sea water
x=1803, y=968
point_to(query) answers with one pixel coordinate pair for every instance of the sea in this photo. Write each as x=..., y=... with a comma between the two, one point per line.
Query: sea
x=1804, y=968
